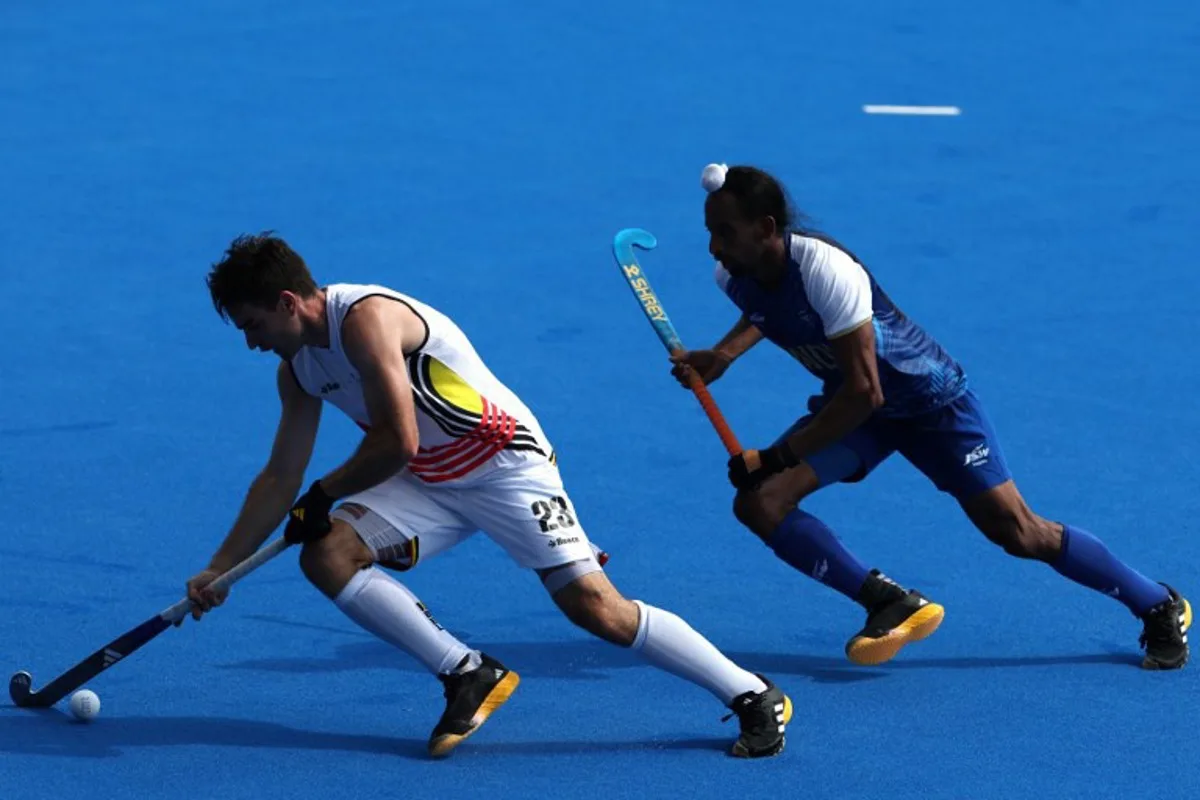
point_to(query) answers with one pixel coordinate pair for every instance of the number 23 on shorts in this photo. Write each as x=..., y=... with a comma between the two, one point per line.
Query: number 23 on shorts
x=553, y=514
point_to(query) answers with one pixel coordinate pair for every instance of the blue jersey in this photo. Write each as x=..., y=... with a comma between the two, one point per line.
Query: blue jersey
x=825, y=293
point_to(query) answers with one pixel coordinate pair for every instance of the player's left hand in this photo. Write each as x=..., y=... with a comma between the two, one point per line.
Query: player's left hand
x=749, y=468
x=308, y=519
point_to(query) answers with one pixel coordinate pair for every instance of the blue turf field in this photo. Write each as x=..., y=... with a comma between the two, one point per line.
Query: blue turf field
x=480, y=156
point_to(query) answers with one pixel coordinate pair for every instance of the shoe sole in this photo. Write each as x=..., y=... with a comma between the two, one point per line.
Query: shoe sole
x=741, y=751
x=1155, y=664
x=869, y=652
x=443, y=745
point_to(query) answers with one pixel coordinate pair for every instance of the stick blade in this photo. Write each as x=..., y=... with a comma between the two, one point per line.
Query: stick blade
x=629, y=238
x=20, y=689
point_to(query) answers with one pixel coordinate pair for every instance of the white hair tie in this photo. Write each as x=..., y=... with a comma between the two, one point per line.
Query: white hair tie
x=713, y=177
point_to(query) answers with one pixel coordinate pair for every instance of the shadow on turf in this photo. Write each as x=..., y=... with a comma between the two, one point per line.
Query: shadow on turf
x=54, y=733
x=575, y=660
x=821, y=668
x=587, y=659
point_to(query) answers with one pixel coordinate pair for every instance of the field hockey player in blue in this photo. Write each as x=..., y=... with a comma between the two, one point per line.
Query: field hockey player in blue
x=887, y=387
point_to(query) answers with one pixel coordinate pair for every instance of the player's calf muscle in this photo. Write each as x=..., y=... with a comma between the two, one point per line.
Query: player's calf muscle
x=595, y=605
x=1033, y=538
x=1002, y=516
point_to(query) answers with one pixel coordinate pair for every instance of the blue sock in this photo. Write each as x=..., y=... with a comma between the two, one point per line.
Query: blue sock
x=1085, y=560
x=808, y=545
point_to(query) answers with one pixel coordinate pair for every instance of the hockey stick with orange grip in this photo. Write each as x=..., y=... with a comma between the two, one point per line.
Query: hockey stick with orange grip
x=623, y=244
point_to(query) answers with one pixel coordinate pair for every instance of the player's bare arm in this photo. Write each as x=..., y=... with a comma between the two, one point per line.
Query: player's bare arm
x=740, y=338
x=276, y=486
x=858, y=396
x=272, y=491
x=377, y=334
x=711, y=364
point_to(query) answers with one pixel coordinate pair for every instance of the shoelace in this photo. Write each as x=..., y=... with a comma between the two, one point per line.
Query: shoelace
x=450, y=683
x=732, y=713
x=1161, y=623
x=739, y=714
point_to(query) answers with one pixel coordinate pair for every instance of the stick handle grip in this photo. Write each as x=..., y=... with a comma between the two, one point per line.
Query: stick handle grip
x=714, y=414
x=227, y=579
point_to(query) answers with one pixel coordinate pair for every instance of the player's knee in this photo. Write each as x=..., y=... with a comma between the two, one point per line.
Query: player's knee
x=330, y=562
x=312, y=561
x=758, y=511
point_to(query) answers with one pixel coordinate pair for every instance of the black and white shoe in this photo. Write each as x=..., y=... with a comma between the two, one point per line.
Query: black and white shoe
x=895, y=617
x=471, y=697
x=1165, y=633
x=763, y=717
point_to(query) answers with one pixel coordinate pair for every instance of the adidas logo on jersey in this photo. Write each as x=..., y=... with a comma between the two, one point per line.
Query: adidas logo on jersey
x=561, y=540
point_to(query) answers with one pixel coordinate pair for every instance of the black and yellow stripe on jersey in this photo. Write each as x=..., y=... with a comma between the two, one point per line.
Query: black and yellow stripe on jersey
x=480, y=429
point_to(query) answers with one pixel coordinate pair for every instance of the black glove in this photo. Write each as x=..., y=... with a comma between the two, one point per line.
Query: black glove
x=769, y=462
x=309, y=518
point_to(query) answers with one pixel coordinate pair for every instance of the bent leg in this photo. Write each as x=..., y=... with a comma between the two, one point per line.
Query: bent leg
x=341, y=566
x=1002, y=515
x=671, y=644
x=799, y=539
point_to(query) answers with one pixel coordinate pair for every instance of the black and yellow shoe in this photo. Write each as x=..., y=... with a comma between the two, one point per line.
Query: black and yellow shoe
x=763, y=717
x=895, y=617
x=1165, y=633
x=471, y=697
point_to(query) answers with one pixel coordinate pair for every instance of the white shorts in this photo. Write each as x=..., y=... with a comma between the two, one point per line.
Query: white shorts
x=523, y=509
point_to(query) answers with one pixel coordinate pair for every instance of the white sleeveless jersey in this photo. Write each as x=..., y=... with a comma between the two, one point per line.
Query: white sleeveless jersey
x=468, y=421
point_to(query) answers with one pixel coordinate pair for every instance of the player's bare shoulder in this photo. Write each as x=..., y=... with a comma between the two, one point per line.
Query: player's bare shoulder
x=383, y=321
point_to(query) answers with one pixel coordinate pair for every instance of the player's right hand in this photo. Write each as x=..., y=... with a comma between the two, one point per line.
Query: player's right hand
x=708, y=364
x=204, y=598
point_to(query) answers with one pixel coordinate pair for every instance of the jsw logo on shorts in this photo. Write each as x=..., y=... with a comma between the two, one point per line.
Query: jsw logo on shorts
x=561, y=540
x=977, y=457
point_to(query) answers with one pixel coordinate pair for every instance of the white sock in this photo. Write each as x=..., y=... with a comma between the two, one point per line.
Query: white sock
x=386, y=608
x=670, y=644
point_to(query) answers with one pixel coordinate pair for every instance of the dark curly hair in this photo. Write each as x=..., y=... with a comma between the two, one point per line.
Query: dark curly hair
x=759, y=194
x=254, y=271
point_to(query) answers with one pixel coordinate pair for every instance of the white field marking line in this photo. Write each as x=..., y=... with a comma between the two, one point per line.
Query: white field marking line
x=926, y=111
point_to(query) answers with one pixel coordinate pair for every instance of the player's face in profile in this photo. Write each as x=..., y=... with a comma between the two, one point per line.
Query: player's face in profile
x=737, y=243
x=276, y=330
